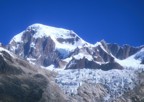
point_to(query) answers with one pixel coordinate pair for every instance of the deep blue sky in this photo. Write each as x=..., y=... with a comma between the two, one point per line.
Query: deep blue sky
x=116, y=21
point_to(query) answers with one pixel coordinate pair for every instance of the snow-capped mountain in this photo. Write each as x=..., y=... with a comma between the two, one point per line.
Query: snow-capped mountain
x=63, y=38
x=45, y=45
x=53, y=47
x=113, y=71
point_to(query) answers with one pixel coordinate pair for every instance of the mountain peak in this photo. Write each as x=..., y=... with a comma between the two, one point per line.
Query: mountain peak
x=58, y=35
x=46, y=44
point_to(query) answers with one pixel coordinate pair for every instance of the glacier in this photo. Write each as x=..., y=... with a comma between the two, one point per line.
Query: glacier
x=117, y=82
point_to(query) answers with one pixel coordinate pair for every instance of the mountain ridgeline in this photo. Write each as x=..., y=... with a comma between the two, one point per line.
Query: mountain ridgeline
x=61, y=48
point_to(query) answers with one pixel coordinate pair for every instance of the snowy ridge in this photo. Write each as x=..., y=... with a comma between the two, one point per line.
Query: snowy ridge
x=130, y=62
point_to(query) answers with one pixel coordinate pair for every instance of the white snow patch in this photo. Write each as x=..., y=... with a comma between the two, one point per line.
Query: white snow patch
x=129, y=62
x=32, y=45
x=81, y=56
x=31, y=59
x=133, y=61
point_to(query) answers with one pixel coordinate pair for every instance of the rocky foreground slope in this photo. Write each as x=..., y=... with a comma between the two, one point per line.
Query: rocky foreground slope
x=22, y=82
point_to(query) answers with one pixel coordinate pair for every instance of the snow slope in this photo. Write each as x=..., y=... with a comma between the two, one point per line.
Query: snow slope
x=133, y=61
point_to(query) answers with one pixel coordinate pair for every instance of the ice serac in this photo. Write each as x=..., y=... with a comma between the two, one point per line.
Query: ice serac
x=45, y=45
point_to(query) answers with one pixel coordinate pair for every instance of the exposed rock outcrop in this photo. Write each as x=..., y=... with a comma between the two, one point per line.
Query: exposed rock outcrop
x=85, y=63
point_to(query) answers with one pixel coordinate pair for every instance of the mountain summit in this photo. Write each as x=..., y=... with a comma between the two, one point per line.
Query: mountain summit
x=59, y=36
x=45, y=45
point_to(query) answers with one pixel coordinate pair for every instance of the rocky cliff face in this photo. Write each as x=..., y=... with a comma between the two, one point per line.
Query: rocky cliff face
x=122, y=52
